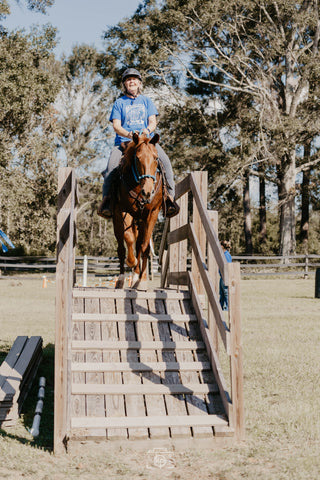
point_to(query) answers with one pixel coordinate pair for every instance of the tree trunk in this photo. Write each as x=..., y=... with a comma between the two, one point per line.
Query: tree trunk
x=262, y=211
x=305, y=200
x=287, y=190
x=247, y=215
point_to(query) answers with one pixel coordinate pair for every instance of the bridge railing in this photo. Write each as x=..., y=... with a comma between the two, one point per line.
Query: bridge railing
x=65, y=280
x=197, y=230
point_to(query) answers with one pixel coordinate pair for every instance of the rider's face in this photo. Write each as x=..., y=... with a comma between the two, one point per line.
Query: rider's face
x=132, y=84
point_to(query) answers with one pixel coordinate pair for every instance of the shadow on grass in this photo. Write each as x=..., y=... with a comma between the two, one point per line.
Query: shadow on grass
x=45, y=438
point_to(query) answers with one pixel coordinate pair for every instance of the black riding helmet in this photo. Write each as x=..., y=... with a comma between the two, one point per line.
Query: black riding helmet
x=131, y=72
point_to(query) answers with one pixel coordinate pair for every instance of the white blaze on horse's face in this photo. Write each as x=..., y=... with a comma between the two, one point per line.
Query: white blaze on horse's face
x=147, y=157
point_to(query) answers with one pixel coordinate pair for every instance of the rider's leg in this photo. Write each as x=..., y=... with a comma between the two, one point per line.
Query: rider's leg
x=171, y=205
x=104, y=209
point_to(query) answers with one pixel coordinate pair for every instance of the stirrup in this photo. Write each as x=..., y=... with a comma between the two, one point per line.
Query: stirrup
x=104, y=209
x=172, y=208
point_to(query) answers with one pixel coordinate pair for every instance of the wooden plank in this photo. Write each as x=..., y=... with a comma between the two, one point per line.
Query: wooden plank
x=182, y=187
x=195, y=403
x=177, y=278
x=134, y=403
x=29, y=351
x=212, y=296
x=131, y=317
x=211, y=351
x=213, y=271
x=143, y=389
x=163, y=240
x=175, y=404
x=13, y=355
x=95, y=405
x=64, y=283
x=115, y=405
x=136, y=345
x=155, y=405
x=168, y=421
x=165, y=269
x=162, y=294
x=210, y=233
x=139, y=366
x=78, y=402
x=236, y=359
x=17, y=376
x=200, y=183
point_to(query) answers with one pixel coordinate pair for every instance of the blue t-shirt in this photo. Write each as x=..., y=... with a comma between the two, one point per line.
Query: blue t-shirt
x=133, y=113
x=228, y=256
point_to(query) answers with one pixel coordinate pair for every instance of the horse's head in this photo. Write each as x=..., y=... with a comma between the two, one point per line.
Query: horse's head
x=145, y=164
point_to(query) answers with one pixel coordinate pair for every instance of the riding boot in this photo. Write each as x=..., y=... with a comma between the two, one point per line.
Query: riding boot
x=105, y=208
x=172, y=208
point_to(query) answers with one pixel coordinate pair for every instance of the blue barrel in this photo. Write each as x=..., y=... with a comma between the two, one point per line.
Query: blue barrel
x=317, y=294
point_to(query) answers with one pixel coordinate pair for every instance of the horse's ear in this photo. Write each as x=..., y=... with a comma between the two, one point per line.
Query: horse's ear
x=136, y=138
x=155, y=138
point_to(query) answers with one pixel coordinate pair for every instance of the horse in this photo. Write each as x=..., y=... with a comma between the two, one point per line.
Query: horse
x=139, y=198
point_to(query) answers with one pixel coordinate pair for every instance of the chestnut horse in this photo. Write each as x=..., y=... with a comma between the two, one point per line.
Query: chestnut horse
x=137, y=205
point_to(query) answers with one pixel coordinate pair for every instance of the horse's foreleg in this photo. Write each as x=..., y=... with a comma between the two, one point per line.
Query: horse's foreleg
x=144, y=246
x=130, y=239
x=119, y=234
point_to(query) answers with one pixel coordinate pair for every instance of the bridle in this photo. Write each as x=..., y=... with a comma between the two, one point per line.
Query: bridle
x=137, y=177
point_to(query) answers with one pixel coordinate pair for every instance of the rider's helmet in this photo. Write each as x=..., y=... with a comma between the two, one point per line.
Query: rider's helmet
x=131, y=72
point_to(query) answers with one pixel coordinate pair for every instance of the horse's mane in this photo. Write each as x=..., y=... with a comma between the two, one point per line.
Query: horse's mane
x=129, y=150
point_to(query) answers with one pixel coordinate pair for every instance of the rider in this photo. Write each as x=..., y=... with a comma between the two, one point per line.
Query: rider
x=133, y=112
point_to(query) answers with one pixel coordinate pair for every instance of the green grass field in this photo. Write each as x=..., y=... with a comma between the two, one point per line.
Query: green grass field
x=281, y=338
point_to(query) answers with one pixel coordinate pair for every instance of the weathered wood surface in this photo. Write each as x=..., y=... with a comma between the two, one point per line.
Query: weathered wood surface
x=139, y=367
x=17, y=372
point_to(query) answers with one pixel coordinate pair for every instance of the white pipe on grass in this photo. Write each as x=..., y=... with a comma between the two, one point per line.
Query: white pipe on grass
x=38, y=410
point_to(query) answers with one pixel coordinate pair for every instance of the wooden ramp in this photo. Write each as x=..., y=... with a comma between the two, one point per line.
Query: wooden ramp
x=145, y=364
x=140, y=368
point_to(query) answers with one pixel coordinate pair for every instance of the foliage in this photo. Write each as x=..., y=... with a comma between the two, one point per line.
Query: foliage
x=29, y=82
x=256, y=61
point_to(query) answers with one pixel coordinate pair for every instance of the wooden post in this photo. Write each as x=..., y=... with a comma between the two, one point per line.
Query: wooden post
x=236, y=361
x=201, y=179
x=64, y=284
x=178, y=251
x=214, y=274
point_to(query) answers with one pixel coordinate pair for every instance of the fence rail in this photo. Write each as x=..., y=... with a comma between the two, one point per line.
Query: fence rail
x=277, y=265
x=249, y=265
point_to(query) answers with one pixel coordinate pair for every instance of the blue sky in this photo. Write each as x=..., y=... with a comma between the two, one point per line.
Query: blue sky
x=77, y=21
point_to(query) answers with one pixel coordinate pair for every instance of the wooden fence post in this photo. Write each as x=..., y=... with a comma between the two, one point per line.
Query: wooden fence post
x=64, y=283
x=236, y=360
x=201, y=178
x=178, y=251
x=214, y=274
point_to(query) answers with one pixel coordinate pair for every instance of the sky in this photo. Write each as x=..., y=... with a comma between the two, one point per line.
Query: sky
x=77, y=21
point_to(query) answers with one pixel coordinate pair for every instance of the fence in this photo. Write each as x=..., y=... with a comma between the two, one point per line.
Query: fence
x=299, y=265
x=100, y=266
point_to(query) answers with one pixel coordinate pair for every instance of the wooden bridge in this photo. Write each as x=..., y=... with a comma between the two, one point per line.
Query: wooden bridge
x=144, y=364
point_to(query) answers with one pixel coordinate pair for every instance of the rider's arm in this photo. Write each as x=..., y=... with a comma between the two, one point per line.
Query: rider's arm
x=119, y=129
x=152, y=123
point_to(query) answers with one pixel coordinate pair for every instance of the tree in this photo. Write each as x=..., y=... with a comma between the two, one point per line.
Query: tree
x=263, y=53
x=29, y=82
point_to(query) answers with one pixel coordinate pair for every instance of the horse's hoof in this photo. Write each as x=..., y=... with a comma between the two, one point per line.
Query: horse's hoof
x=135, y=280
x=120, y=282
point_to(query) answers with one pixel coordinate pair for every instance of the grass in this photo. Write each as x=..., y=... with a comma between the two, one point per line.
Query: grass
x=281, y=333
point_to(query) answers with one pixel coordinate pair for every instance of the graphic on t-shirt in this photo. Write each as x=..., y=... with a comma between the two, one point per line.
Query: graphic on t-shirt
x=135, y=115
